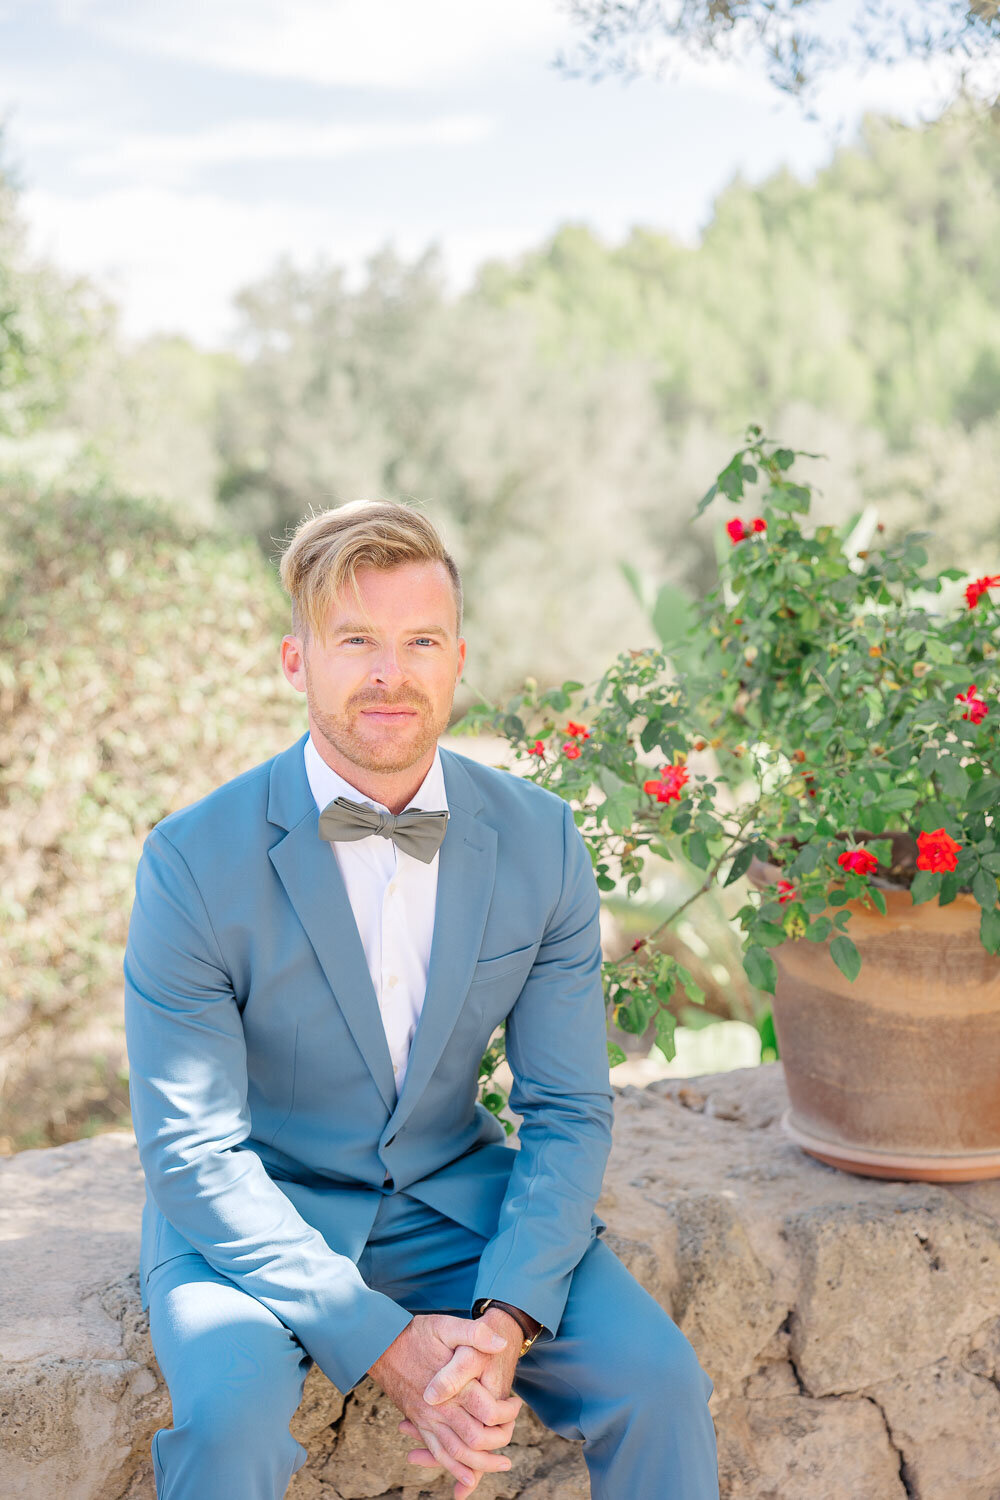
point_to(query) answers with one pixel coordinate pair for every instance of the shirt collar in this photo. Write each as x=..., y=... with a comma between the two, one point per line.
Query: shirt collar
x=326, y=784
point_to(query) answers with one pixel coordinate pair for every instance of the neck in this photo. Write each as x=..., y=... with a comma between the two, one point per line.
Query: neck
x=394, y=789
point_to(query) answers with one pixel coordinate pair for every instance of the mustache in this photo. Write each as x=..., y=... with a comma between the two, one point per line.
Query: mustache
x=379, y=700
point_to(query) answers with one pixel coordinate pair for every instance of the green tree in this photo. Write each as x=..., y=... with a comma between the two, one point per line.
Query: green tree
x=796, y=42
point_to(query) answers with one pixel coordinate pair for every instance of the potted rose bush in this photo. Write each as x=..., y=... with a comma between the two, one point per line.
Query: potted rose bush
x=823, y=738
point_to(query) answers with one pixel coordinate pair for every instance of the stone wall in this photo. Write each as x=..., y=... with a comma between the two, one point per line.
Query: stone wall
x=851, y=1326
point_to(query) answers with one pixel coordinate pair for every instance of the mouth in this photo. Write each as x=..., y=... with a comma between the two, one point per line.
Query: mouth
x=389, y=714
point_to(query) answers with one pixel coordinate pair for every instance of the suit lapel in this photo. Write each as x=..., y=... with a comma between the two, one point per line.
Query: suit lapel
x=308, y=870
x=307, y=867
x=466, y=870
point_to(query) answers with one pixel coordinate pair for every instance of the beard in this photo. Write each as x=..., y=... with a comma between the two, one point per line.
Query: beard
x=379, y=747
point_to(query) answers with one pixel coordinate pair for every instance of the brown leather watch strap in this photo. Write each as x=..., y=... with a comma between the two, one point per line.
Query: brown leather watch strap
x=529, y=1326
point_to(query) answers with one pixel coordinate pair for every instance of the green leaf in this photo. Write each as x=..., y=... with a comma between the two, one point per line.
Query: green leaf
x=989, y=930
x=991, y=862
x=938, y=652
x=760, y=969
x=615, y=1055
x=984, y=795
x=665, y=1028
x=769, y=933
x=897, y=799
x=619, y=805
x=697, y=851
x=984, y=888
x=784, y=458
x=806, y=860
x=878, y=899
x=933, y=815
x=954, y=777
x=637, y=582
x=707, y=498
x=846, y=957
x=740, y=864
x=673, y=614
x=819, y=931
x=949, y=889
x=768, y=1037
x=650, y=736
x=925, y=887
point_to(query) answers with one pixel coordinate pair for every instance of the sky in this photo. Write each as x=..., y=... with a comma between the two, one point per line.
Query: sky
x=175, y=152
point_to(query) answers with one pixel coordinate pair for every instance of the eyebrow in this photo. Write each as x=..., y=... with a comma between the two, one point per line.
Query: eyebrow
x=366, y=629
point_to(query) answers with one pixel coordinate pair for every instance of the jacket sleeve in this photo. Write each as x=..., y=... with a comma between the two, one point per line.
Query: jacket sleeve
x=188, y=1091
x=556, y=1041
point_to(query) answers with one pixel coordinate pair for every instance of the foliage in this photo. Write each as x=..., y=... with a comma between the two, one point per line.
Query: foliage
x=871, y=293
x=394, y=389
x=818, y=713
x=48, y=323
x=137, y=671
x=793, y=40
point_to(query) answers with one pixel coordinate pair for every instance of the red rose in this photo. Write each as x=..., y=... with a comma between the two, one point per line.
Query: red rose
x=787, y=889
x=739, y=530
x=977, y=708
x=580, y=731
x=571, y=750
x=859, y=861
x=667, y=788
x=938, y=851
x=538, y=748
x=975, y=591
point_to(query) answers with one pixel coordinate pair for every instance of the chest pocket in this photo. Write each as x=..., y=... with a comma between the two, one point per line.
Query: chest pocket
x=504, y=966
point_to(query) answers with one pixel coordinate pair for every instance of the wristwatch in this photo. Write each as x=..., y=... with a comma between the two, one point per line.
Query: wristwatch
x=520, y=1318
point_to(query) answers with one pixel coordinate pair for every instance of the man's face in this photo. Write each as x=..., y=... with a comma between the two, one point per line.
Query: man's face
x=380, y=687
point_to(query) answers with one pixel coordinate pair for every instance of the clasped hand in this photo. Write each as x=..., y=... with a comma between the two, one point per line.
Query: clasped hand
x=451, y=1379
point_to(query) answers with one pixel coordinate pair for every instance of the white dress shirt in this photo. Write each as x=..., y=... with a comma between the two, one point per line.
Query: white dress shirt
x=393, y=897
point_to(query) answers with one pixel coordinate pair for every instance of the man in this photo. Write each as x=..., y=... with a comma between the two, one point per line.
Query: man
x=318, y=954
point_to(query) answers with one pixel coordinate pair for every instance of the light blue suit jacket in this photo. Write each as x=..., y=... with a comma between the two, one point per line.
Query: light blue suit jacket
x=261, y=1085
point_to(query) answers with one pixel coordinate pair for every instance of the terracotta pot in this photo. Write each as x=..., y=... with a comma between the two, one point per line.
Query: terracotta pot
x=898, y=1073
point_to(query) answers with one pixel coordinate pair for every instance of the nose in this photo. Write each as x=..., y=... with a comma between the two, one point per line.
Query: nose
x=387, y=670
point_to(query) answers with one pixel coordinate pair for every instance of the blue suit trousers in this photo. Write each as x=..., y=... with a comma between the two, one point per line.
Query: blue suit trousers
x=618, y=1376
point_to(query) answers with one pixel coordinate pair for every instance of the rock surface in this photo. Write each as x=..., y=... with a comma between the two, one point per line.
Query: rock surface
x=851, y=1325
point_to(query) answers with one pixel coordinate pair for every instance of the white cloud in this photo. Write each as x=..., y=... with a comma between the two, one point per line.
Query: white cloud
x=178, y=258
x=171, y=157
x=380, y=43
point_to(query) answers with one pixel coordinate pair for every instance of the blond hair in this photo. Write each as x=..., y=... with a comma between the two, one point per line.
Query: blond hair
x=327, y=548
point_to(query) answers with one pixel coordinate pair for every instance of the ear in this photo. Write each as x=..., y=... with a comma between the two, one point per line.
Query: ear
x=293, y=662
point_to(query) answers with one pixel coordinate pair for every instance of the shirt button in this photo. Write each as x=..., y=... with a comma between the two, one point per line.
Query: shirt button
x=393, y=980
x=391, y=888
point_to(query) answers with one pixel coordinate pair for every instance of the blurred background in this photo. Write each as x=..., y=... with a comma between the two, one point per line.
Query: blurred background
x=530, y=264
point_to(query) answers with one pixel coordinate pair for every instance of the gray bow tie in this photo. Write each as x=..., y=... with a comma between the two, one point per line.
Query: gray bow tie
x=417, y=833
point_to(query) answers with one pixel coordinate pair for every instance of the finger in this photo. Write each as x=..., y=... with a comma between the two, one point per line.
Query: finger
x=491, y=1410
x=465, y=1365
x=448, y=1443
x=422, y=1456
x=417, y=1455
x=471, y=1432
x=462, y=1472
x=472, y=1331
